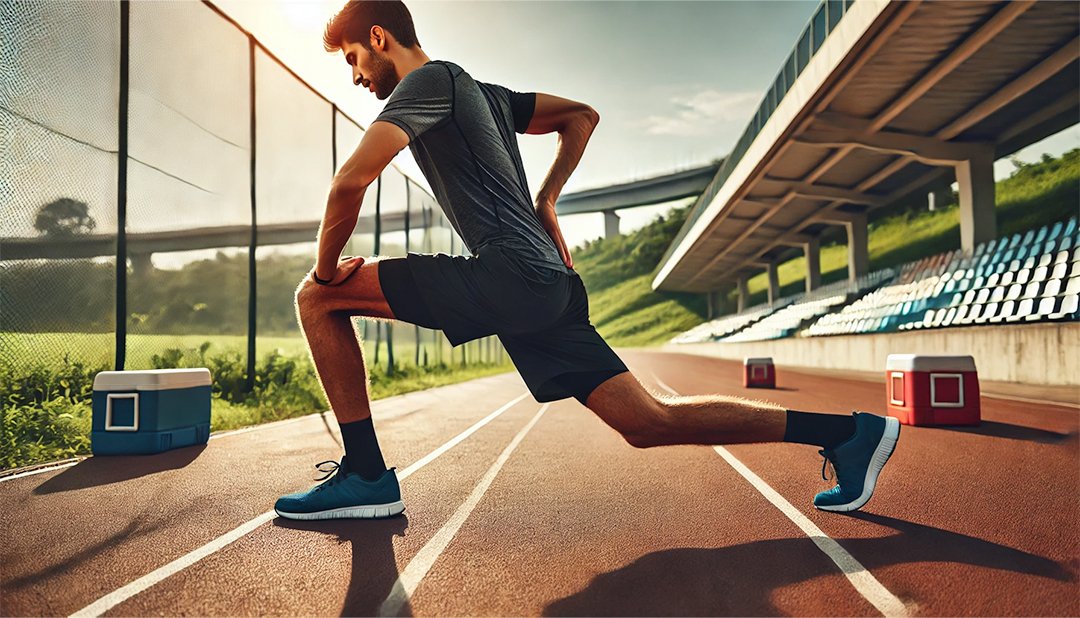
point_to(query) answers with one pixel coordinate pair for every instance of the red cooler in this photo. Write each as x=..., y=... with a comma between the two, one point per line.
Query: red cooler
x=932, y=390
x=759, y=373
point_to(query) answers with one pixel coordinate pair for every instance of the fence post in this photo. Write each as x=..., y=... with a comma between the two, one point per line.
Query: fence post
x=121, y=190
x=249, y=384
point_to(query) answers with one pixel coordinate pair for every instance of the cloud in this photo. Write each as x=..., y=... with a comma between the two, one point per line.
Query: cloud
x=694, y=114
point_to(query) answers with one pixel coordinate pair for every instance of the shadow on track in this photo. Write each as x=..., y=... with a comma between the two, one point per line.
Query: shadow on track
x=374, y=568
x=740, y=580
x=106, y=469
x=1012, y=432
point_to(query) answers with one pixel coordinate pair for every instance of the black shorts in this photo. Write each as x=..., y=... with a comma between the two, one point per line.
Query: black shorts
x=544, y=326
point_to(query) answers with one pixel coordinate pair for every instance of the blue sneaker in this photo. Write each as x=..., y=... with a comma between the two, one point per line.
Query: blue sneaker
x=346, y=494
x=858, y=462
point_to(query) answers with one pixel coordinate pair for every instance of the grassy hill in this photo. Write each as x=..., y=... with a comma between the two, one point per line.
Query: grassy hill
x=617, y=271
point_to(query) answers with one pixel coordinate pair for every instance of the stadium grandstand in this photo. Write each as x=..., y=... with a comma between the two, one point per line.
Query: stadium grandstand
x=1026, y=277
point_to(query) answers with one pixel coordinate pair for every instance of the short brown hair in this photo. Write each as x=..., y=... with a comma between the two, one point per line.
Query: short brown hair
x=353, y=23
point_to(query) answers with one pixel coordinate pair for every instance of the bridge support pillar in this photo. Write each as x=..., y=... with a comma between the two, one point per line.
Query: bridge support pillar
x=611, y=224
x=978, y=220
x=141, y=264
x=812, y=251
x=743, y=295
x=858, y=252
x=712, y=303
x=774, y=283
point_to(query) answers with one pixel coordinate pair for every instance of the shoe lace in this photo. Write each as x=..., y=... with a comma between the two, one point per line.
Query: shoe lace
x=330, y=472
x=826, y=460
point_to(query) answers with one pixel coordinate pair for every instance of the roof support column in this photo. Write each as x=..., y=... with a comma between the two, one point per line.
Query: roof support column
x=858, y=252
x=774, y=283
x=978, y=220
x=611, y=224
x=743, y=295
x=812, y=251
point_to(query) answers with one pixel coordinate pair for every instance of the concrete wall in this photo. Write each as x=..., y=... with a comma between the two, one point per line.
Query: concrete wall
x=1028, y=353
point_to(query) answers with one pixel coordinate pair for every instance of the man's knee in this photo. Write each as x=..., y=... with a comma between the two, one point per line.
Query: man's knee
x=624, y=404
x=310, y=300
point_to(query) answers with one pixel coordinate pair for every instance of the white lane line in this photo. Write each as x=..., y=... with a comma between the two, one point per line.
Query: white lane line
x=48, y=468
x=421, y=563
x=860, y=577
x=120, y=595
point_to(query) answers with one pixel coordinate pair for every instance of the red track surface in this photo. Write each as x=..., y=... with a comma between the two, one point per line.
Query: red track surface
x=979, y=521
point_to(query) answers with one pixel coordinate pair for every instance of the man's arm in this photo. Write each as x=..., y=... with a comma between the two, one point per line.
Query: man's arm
x=574, y=122
x=380, y=144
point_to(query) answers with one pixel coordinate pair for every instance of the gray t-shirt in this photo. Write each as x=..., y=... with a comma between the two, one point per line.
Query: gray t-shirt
x=461, y=133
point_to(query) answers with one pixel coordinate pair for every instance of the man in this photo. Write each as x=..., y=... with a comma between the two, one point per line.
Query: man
x=519, y=284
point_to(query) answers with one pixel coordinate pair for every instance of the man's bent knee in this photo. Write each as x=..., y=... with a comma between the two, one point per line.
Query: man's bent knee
x=624, y=404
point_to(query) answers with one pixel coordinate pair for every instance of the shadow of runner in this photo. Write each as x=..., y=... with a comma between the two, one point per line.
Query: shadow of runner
x=374, y=567
x=739, y=580
x=106, y=469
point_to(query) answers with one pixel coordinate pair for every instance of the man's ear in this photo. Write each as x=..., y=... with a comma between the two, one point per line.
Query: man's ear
x=378, y=35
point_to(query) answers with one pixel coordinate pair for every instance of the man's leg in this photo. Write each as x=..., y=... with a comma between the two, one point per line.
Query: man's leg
x=646, y=419
x=325, y=314
x=858, y=446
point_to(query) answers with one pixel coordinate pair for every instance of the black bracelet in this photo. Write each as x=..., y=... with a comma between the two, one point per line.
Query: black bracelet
x=320, y=281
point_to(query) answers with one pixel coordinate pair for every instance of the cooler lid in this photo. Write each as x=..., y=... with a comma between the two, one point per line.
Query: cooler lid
x=922, y=362
x=151, y=379
x=759, y=360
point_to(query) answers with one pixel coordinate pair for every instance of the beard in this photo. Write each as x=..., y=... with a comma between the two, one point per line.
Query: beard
x=383, y=76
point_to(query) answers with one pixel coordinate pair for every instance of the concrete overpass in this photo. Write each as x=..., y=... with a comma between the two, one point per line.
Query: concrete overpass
x=142, y=245
x=877, y=101
x=655, y=190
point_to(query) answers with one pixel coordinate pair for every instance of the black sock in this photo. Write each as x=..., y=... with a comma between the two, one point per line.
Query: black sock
x=362, y=449
x=827, y=430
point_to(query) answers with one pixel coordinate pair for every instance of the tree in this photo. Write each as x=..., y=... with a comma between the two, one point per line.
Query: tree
x=63, y=218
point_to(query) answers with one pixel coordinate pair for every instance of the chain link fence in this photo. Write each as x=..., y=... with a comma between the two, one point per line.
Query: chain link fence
x=162, y=182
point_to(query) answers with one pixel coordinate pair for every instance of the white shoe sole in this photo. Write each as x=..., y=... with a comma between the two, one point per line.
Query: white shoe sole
x=369, y=511
x=877, y=462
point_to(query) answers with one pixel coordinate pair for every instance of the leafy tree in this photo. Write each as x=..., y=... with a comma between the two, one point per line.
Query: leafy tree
x=64, y=218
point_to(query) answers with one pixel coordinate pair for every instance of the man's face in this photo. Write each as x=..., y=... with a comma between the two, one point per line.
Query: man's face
x=371, y=69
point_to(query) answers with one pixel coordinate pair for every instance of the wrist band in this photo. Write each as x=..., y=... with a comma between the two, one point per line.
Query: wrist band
x=320, y=281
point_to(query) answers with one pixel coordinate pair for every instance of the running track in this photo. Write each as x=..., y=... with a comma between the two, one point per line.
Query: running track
x=544, y=510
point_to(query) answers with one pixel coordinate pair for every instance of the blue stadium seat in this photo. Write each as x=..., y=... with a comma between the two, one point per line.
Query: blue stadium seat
x=1055, y=231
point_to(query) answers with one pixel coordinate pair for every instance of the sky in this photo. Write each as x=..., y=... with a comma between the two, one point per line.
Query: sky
x=675, y=83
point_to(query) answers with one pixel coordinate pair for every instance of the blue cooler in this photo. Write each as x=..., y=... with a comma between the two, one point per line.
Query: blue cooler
x=145, y=412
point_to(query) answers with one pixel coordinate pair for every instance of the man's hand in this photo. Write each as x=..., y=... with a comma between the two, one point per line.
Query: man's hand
x=545, y=210
x=346, y=266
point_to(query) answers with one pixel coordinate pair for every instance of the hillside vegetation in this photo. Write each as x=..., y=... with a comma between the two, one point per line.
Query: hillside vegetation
x=618, y=271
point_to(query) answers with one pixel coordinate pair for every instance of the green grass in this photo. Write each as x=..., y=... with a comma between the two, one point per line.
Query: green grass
x=631, y=314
